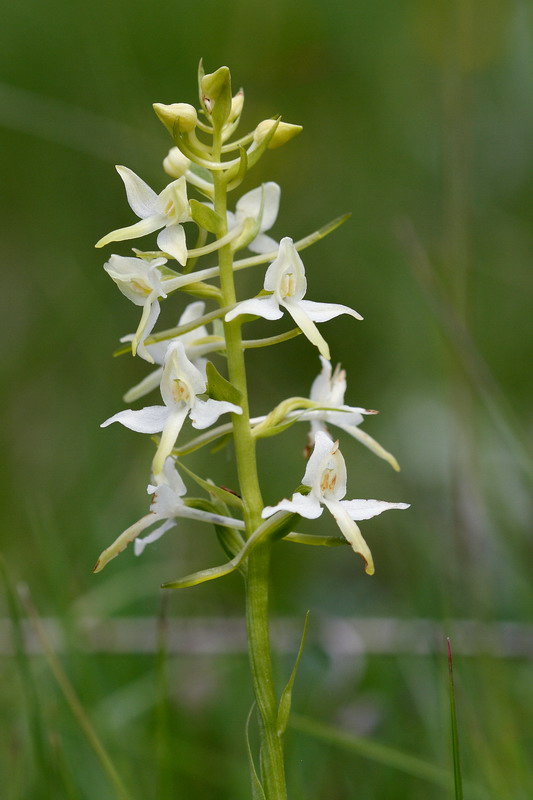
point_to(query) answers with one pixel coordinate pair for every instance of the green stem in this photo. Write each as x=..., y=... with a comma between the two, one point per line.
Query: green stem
x=257, y=578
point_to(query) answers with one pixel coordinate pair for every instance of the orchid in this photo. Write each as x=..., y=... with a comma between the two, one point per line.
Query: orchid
x=181, y=382
x=167, y=210
x=143, y=283
x=167, y=505
x=326, y=477
x=262, y=205
x=286, y=283
x=328, y=389
x=197, y=343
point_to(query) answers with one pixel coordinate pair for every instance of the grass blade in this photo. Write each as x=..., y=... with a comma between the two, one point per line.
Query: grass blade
x=458, y=781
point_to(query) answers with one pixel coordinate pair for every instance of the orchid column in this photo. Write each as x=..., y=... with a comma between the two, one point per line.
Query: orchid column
x=192, y=388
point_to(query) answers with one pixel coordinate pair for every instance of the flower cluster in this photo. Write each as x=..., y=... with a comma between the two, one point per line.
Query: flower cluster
x=207, y=160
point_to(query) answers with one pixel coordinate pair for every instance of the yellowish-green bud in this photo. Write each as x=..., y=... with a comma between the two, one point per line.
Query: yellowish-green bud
x=176, y=164
x=283, y=133
x=237, y=103
x=177, y=117
x=215, y=89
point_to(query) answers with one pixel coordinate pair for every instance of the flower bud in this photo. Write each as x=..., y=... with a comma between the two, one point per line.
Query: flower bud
x=177, y=117
x=283, y=133
x=215, y=88
x=237, y=103
x=176, y=164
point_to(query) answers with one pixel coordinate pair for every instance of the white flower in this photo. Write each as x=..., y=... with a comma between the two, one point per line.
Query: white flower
x=180, y=384
x=328, y=389
x=285, y=278
x=158, y=350
x=167, y=210
x=143, y=283
x=326, y=476
x=166, y=505
x=262, y=203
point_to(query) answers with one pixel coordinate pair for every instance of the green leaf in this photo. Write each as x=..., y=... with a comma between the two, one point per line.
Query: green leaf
x=249, y=344
x=284, y=708
x=216, y=491
x=206, y=218
x=457, y=778
x=241, y=171
x=219, y=388
x=316, y=541
x=258, y=793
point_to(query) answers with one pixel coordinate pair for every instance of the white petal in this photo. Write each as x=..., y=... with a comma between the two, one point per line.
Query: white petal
x=145, y=386
x=307, y=506
x=178, y=367
x=142, y=228
x=249, y=205
x=322, y=312
x=172, y=240
x=192, y=312
x=266, y=307
x=151, y=419
x=351, y=532
x=232, y=220
x=308, y=328
x=263, y=244
x=173, y=426
x=149, y=317
x=270, y=205
x=205, y=412
x=123, y=540
x=371, y=443
x=143, y=200
x=324, y=445
x=140, y=544
x=366, y=509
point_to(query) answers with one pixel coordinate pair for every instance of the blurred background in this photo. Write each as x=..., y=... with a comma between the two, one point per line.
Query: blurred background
x=418, y=119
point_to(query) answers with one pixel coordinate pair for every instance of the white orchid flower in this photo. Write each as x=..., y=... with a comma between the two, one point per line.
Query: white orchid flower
x=167, y=210
x=181, y=382
x=326, y=476
x=285, y=279
x=166, y=506
x=262, y=202
x=328, y=389
x=195, y=349
x=143, y=283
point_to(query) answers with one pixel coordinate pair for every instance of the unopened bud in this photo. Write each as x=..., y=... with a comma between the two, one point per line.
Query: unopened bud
x=237, y=103
x=215, y=89
x=283, y=133
x=176, y=164
x=177, y=117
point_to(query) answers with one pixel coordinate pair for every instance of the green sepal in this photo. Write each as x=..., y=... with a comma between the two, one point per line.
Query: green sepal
x=221, y=494
x=218, y=388
x=242, y=170
x=258, y=793
x=272, y=529
x=284, y=708
x=206, y=218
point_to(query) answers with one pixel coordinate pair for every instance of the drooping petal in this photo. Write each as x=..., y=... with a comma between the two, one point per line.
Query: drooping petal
x=153, y=536
x=174, y=422
x=307, y=326
x=122, y=541
x=322, y=312
x=206, y=412
x=371, y=443
x=172, y=240
x=142, y=228
x=151, y=312
x=143, y=200
x=366, y=509
x=307, y=506
x=266, y=307
x=145, y=386
x=351, y=532
x=151, y=419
